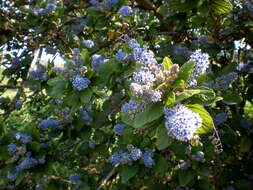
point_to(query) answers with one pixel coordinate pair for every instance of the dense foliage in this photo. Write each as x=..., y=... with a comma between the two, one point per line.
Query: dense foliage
x=147, y=94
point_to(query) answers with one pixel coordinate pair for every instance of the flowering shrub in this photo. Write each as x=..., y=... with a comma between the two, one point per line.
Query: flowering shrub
x=119, y=94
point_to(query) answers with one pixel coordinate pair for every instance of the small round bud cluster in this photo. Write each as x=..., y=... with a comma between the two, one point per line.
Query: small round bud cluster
x=220, y=118
x=80, y=83
x=118, y=129
x=181, y=123
x=199, y=157
x=125, y=11
x=88, y=44
x=50, y=124
x=201, y=65
x=134, y=155
x=224, y=81
x=97, y=61
x=38, y=75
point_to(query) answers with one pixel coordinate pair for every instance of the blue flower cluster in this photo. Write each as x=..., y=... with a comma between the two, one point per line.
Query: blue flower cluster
x=27, y=163
x=149, y=75
x=22, y=155
x=80, y=83
x=202, y=63
x=104, y=6
x=125, y=11
x=181, y=50
x=123, y=56
x=118, y=129
x=134, y=155
x=38, y=75
x=97, y=61
x=131, y=106
x=147, y=158
x=76, y=178
x=88, y=44
x=85, y=116
x=181, y=122
x=50, y=8
x=224, y=81
x=4, y=100
x=18, y=105
x=220, y=118
x=50, y=124
x=12, y=176
x=245, y=68
x=24, y=138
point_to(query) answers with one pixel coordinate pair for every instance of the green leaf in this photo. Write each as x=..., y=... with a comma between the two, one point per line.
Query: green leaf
x=127, y=172
x=35, y=146
x=58, y=86
x=245, y=144
x=221, y=6
x=206, y=96
x=167, y=63
x=187, y=94
x=185, y=177
x=170, y=99
x=85, y=96
x=161, y=165
x=205, y=185
x=179, y=83
x=163, y=140
x=186, y=70
x=231, y=98
x=128, y=135
x=207, y=121
x=150, y=113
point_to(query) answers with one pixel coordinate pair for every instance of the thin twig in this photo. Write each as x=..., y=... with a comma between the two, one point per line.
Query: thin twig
x=104, y=182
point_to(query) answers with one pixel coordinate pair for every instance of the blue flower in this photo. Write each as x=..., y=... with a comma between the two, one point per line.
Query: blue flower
x=27, y=163
x=18, y=105
x=181, y=123
x=220, y=118
x=12, y=148
x=130, y=106
x=80, y=83
x=76, y=178
x=136, y=154
x=24, y=138
x=147, y=158
x=88, y=43
x=50, y=123
x=125, y=11
x=94, y=2
x=12, y=176
x=118, y=129
x=97, y=61
x=122, y=56
x=201, y=61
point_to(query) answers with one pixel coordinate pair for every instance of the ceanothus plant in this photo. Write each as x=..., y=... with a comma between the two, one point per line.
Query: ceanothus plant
x=120, y=94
